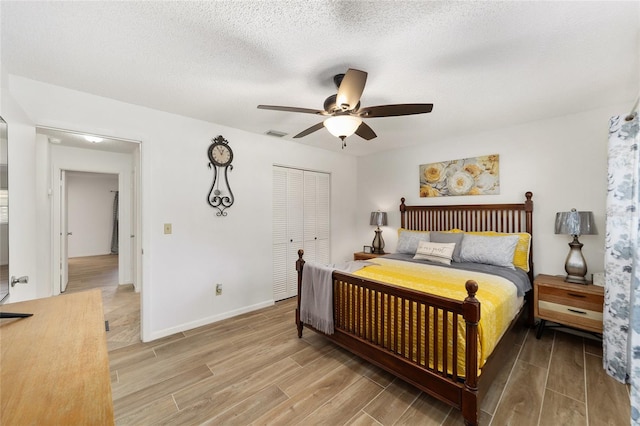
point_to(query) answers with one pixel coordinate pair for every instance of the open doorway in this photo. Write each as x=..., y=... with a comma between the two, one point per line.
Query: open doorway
x=75, y=153
x=90, y=231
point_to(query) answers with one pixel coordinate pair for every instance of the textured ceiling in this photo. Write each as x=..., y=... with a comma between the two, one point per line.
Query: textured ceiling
x=483, y=65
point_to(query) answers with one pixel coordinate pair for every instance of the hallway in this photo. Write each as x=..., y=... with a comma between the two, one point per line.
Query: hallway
x=121, y=303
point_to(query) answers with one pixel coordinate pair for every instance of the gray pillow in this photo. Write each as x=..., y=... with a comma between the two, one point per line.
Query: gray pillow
x=449, y=237
x=489, y=250
x=408, y=240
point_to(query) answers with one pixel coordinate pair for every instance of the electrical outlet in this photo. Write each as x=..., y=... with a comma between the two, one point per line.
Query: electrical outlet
x=167, y=228
x=218, y=289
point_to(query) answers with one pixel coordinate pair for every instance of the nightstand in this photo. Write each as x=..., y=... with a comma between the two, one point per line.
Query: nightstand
x=364, y=256
x=572, y=305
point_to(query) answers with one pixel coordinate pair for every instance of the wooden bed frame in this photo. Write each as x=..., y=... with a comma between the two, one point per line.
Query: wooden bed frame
x=363, y=338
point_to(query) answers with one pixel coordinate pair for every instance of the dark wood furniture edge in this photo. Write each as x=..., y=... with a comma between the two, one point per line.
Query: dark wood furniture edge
x=299, y=267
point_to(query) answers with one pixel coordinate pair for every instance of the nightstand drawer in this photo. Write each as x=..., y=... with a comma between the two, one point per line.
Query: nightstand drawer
x=572, y=316
x=580, y=300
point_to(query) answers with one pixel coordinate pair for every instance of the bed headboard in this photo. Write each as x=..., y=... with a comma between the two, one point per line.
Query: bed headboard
x=471, y=217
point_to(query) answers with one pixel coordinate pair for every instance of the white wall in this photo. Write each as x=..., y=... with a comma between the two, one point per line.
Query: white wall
x=24, y=250
x=180, y=270
x=90, y=212
x=563, y=161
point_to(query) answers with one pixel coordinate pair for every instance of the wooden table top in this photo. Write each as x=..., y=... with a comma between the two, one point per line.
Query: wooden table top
x=54, y=366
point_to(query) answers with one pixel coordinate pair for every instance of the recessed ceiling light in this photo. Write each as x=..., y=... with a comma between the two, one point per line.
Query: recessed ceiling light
x=93, y=139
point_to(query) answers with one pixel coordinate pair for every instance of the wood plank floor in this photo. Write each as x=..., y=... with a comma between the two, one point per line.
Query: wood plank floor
x=252, y=369
x=121, y=303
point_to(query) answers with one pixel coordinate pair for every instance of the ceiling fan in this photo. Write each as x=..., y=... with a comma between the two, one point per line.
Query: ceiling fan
x=344, y=112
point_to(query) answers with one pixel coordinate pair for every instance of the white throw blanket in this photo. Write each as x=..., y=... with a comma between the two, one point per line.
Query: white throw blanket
x=316, y=300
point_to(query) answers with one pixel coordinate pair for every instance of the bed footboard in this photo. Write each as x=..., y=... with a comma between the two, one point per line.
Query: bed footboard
x=409, y=334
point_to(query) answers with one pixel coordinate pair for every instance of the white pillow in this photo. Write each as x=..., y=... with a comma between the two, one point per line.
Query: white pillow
x=489, y=250
x=435, y=252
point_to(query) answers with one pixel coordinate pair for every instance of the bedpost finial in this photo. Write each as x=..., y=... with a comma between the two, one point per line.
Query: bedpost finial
x=402, y=205
x=472, y=288
x=299, y=265
x=528, y=204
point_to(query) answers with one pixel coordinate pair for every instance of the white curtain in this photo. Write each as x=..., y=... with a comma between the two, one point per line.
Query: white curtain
x=621, y=335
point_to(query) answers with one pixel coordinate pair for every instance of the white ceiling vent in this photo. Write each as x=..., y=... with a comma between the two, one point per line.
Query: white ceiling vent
x=275, y=133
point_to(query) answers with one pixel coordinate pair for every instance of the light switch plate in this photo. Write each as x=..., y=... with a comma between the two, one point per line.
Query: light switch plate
x=167, y=228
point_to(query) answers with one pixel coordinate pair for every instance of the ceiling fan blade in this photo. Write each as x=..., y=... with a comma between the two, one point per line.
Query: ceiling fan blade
x=365, y=132
x=310, y=130
x=293, y=109
x=394, y=110
x=351, y=88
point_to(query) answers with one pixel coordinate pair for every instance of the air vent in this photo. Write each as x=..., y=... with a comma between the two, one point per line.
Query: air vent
x=275, y=133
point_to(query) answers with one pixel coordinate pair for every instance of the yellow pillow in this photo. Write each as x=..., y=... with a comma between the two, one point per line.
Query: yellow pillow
x=521, y=254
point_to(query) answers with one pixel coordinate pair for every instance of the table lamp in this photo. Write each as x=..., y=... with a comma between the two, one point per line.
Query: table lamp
x=378, y=219
x=575, y=223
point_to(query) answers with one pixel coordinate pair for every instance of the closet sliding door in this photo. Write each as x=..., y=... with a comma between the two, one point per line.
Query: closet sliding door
x=316, y=217
x=300, y=221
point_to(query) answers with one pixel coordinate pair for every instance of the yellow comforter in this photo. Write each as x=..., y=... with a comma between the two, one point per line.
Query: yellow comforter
x=497, y=295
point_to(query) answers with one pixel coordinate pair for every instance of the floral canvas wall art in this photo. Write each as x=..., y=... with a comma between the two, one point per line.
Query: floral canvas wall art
x=468, y=176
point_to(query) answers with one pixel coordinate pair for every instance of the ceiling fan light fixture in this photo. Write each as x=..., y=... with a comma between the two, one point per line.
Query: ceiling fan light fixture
x=342, y=126
x=343, y=119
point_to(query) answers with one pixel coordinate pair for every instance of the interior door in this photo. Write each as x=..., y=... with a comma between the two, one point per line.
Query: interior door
x=279, y=234
x=64, y=233
x=295, y=226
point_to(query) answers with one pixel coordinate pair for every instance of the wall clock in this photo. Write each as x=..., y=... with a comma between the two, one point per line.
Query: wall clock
x=220, y=158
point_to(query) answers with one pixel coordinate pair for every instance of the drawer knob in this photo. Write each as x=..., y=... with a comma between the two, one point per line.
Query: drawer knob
x=576, y=311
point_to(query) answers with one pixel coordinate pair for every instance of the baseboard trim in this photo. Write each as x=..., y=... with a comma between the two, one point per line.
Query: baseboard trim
x=208, y=320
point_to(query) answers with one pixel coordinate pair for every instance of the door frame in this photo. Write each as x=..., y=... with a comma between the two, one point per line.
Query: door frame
x=65, y=211
x=58, y=238
x=64, y=232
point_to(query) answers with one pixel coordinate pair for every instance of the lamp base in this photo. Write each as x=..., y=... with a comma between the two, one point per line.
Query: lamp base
x=575, y=265
x=378, y=242
x=576, y=280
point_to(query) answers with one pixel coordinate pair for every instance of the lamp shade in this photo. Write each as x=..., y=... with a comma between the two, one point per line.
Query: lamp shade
x=342, y=126
x=575, y=223
x=378, y=219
